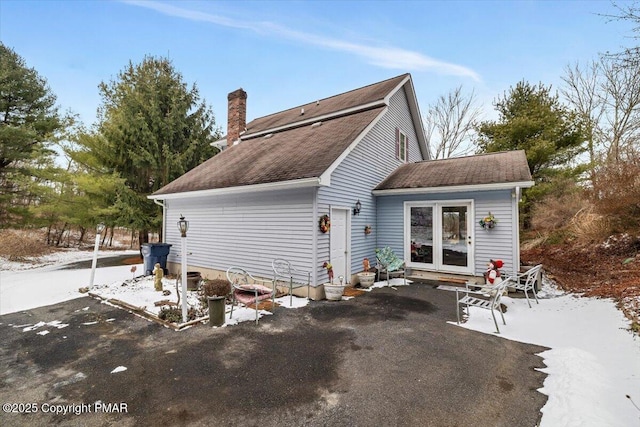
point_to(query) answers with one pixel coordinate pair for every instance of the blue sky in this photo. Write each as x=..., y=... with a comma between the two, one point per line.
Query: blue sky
x=288, y=53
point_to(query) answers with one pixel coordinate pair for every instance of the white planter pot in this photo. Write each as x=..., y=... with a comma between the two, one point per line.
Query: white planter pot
x=366, y=279
x=333, y=292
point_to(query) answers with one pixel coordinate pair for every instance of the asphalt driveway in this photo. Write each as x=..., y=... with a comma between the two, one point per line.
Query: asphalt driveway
x=387, y=358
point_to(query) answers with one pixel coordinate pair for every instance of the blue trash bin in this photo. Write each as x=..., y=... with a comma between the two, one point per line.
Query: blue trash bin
x=155, y=253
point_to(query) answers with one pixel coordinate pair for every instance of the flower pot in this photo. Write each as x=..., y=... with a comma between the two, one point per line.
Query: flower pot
x=216, y=310
x=366, y=279
x=333, y=292
x=193, y=280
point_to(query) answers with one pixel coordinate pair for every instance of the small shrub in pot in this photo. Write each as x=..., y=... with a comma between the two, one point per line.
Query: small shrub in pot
x=216, y=287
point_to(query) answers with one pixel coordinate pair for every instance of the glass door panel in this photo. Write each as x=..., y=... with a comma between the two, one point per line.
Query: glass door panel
x=421, y=234
x=454, y=251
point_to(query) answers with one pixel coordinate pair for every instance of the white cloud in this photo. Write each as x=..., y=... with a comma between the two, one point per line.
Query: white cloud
x=381, y=56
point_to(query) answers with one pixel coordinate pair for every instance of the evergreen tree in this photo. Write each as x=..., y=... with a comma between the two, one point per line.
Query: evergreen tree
x=28, y=120
x=532, y=119
x=152, y=129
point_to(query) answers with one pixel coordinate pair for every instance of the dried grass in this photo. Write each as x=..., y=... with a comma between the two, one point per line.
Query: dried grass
x=18, y=245
x=589, y=226
x=557, y=211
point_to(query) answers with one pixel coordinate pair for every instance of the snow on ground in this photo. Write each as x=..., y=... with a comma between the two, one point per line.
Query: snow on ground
x=594, y=361
x=140, y=292
x=25, y=287
x=59, y=258
x=36, y=287
x=593, y=364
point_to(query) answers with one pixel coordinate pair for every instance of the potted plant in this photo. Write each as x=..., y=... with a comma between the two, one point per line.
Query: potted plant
x=331, y=291
x=214, y=295
x=366, y=278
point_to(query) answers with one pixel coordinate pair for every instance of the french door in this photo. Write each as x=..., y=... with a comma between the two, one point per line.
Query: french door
x=439, y=236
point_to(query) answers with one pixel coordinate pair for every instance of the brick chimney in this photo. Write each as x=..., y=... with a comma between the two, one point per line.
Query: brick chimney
x=236, y=116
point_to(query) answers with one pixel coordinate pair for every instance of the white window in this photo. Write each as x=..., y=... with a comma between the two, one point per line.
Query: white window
x=402, y=143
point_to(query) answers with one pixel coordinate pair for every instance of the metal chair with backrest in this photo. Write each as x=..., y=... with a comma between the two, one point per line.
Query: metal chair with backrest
x=388, y=263
x=527, y=282
x=487, y=299
x=247, y=289
x=282, y=269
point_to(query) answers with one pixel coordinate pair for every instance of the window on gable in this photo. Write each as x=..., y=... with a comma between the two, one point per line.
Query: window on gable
x=402, y=146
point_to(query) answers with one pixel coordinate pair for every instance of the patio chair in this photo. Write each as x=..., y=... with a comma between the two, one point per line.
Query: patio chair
x=388, y=263
x=527, y=282
x=487, y=299
x=282, y=269
x=247, y=289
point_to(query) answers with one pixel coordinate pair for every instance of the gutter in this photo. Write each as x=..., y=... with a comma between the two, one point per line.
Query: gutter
x=280, y=185
x=454, y=188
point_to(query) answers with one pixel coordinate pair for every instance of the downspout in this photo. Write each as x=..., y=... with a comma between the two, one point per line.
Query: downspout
x=164, y=219
x=516, y=243
x=314, y=239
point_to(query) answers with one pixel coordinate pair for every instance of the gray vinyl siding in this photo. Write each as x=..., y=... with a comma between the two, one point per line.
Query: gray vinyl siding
x=497, y=243
x=372, y=160
x=246, y=230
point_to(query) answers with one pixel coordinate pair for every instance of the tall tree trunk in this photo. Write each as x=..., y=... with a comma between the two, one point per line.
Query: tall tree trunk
x=143, y=237
x=59, y=236
x=83, y=231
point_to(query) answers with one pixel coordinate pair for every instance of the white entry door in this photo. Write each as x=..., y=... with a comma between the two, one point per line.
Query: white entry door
x=339, y=243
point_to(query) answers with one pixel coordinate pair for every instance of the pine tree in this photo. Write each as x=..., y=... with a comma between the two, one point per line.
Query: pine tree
x=28, y=120
x=152, y=129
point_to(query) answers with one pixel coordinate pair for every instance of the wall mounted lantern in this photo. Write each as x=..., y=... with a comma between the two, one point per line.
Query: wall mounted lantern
x=356, y=209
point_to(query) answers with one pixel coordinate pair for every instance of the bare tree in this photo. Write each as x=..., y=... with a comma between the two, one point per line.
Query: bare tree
x=630, y=56
x=621, y=88
x=582, y=89
x=449, y=124
x=607, y=98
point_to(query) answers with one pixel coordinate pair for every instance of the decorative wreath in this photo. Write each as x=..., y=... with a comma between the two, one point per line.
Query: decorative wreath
x=324, y=223
x=488, y=221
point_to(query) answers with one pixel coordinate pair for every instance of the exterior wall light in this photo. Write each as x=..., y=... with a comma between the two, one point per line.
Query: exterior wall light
x=356, y=209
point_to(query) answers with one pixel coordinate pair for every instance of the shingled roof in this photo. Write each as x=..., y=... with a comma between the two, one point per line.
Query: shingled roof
x=509, y=167
x=299, y=153
x=290, y=146
x=357, y=98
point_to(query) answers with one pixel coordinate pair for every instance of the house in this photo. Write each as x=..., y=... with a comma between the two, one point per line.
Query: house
x=278, y=176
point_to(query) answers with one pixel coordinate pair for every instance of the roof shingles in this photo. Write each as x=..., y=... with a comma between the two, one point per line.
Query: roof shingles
x=344, y=101
x=491, y=168
x=297, y=153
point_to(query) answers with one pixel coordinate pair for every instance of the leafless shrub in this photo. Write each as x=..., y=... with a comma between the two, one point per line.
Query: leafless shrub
x=617, y=195
x=216, y=287
x=18, y=245
x=556, y=212
x=589, y=226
